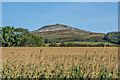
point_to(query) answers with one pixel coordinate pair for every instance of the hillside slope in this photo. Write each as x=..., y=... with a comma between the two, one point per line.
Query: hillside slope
x=64, y=33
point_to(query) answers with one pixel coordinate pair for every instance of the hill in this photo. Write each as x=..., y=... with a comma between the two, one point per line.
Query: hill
x=63, y=33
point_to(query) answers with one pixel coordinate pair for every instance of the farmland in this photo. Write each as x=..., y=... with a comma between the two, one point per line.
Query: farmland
x=86, y=43
x=60, y=62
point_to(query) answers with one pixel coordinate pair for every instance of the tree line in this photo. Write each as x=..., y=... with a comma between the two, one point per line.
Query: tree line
x=113, y=37
x=71, y=44
x=19, y=37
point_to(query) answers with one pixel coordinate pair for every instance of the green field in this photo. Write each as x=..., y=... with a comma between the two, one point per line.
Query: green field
x=93, y=43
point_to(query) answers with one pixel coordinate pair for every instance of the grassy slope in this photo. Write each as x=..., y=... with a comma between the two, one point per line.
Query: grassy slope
x=69, y=35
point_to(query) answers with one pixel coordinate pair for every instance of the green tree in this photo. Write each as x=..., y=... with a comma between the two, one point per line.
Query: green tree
x=8, y=36
x=20, y=38
x=113, y=37
x=39, y=41
x=46, y=40
x=27, y=39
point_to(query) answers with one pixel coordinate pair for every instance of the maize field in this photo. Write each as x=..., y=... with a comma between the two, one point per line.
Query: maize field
x=60, y=62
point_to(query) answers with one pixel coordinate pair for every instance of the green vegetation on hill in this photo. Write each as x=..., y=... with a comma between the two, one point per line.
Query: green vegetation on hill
x=82, y=44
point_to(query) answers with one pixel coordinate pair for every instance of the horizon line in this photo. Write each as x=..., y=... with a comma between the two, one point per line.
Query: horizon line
x=61, y=24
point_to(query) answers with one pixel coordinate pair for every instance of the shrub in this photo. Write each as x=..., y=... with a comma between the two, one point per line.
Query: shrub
x=53, y=45
x=62, y=44
x=70, y=45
